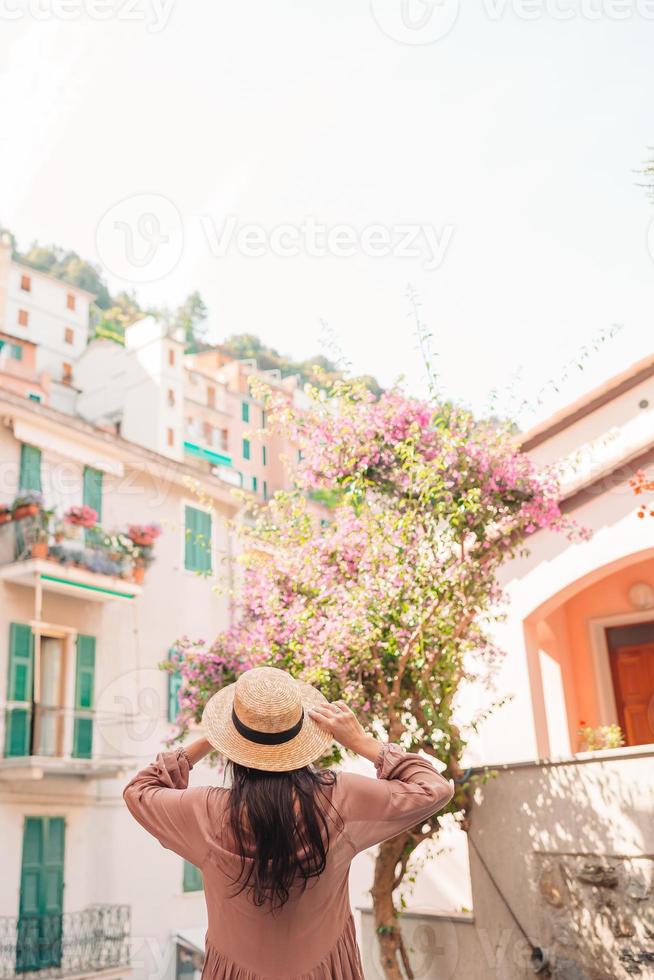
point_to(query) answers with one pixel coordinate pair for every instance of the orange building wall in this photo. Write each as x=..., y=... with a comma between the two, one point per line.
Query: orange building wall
x=565, y=636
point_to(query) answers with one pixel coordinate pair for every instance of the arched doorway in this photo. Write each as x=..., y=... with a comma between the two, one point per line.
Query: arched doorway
x=591, y=656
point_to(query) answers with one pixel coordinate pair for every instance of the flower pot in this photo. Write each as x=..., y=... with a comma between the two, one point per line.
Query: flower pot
x=40, y=549
x=138, y=574
x=27, y=510
x=74, y=532
x=143, y=542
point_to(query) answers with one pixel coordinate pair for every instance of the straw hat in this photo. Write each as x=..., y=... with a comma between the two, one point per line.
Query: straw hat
x=262, y=721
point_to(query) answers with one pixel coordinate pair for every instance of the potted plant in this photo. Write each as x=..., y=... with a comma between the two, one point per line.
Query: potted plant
x=599, y=738
x=82, y=516
x=41, y=534
x=120, y=550
x=143, y=557
x=144, y=535
x=5, y=513
x=26, y=504
x=98, y=561
x=138, y=571
x=77, y=522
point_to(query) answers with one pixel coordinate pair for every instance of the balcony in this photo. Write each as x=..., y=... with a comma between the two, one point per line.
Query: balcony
x=91, y=943
x=220, y=463
x=55, y=576
x=48, y=751
x=32, y=768
x=50, y=554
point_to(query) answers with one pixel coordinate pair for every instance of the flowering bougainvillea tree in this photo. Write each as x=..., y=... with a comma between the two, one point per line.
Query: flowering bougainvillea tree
x=385, y=601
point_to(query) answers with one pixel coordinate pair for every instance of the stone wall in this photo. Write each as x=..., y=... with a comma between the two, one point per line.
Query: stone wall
x=571, y=846
x=562, y=851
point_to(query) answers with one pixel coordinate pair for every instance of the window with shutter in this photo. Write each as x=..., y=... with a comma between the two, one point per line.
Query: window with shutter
x=198, y=540
x=246, y=448
x=30, y=468
x=39, y=934
x=245, y=411
x=174, y=684
x=84, y=684
x=192, y=881
x=20, y=682
x=92, y=490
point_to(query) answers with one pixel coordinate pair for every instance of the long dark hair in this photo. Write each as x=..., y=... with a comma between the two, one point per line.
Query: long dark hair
x=281, y=829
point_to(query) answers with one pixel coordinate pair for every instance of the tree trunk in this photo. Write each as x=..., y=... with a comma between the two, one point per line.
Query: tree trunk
x=393, y=951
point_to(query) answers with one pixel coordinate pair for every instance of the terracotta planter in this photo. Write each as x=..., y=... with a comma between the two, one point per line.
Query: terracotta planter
x=28, y=510
x=40, y=549
x=138, y=574
x=143, y=542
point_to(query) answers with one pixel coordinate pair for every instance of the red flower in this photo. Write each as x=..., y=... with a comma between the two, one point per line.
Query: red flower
x=81, y=516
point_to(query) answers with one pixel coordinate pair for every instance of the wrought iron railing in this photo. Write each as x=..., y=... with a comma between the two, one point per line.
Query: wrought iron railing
x=36, y=947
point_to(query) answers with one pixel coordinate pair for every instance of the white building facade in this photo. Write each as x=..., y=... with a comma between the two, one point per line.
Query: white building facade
x=84, y=891
x=39, y=308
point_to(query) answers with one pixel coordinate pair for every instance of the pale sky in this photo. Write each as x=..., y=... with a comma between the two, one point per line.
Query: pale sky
x=507, y=149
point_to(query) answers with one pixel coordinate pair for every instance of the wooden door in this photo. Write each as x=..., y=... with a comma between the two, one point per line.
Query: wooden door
x=633, y=680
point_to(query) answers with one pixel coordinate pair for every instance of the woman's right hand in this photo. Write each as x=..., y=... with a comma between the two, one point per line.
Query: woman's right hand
x=341, y=722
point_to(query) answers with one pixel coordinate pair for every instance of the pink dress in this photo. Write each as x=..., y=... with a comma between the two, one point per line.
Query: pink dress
x=312, y=937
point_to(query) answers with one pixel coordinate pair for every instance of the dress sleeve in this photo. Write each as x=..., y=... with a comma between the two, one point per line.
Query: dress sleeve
x=407, y=791
x=178, y=817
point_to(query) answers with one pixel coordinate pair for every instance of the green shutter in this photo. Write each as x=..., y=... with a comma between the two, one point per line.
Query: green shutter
x=192, y=878
x=174, y=684
x=264, y=455
x=30, y=468
x=84, y=683
x=255, y=484
x=265, y=489
x=197, y=542
x=92, y=493
x=20, y=683
x=39, y=938
x=245, y=411
x=246, y=448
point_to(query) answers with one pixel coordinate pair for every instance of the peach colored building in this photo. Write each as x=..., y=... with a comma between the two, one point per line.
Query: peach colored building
x=18, y=371
x=197, y=407
x=582, y=613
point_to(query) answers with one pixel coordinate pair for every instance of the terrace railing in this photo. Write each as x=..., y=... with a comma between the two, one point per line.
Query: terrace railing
x=72, y=944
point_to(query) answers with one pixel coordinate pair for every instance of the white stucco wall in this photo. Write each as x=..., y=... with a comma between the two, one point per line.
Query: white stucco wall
x=109, y=858
x=48, y=315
